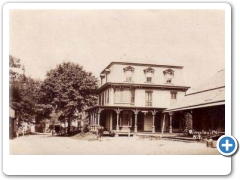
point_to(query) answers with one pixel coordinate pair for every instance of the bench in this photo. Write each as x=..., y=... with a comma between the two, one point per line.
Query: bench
x=124, y=130
x=106, y=133
x=123, y=133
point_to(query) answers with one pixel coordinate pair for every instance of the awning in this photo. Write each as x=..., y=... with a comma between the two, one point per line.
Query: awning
x=195, y=106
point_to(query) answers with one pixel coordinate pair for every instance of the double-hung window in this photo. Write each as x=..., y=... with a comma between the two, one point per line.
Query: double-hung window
x=148, y=98
x=149, y=79
x=173, y=95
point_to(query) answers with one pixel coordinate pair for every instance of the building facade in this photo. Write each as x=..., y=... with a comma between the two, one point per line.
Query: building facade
x=132, y=96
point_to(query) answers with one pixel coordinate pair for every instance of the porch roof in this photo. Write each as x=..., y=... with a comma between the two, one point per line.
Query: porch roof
x=196, y=106
x=125, y=108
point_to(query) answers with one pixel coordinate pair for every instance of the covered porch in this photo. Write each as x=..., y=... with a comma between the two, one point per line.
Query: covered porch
x=130, y=119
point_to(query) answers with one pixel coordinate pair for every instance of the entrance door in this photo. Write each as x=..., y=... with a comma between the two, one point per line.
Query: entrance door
x=126, y=118
x=140, y=122
x=158, y=120
x=148, y=122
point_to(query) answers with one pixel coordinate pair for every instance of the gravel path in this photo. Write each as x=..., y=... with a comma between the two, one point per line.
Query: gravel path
x=45, y=144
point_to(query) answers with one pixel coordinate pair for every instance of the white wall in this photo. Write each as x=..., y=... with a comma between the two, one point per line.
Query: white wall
x=161, y=98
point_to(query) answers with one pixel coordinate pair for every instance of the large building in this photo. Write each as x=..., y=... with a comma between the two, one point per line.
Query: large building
x=133, y=96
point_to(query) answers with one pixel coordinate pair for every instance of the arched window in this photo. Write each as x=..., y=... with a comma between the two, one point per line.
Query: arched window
x=128, y=72
x=149, y=74
x=168, y=74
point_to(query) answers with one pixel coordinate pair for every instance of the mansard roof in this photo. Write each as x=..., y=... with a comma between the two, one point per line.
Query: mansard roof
x=142, y=64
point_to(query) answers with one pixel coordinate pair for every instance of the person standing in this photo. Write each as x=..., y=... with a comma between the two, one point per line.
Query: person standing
x=99, y=133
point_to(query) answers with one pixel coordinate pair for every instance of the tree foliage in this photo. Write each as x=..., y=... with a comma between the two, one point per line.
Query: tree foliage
x=24, y=94
x=69, y=89
x=66, y=91
x=187, y=122
x=14, y=63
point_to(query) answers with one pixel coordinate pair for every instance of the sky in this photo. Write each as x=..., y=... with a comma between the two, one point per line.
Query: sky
x=94, y=38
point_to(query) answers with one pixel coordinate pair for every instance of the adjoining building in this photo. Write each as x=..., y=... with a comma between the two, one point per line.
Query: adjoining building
x=17, y=127
x=12, y=122
x=133, y=96
x=204, y=106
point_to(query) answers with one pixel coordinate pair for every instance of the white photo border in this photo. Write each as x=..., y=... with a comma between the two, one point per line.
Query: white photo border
x=137, y=164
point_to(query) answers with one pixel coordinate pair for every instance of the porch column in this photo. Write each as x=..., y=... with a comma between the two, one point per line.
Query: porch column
x=170, y=122
x=163, y=125
x=110, y=123
x=99, y=115
x=135, y=126
x=98, y=118
x=94, y=120
x=118, y=112
x=117, y=127
x=90, y=120
x=153, y=126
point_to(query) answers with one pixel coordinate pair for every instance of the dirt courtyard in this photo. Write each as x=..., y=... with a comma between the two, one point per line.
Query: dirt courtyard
x=45, y=144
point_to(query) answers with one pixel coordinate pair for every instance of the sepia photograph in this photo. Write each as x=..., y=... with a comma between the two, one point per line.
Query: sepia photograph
x=116, y=81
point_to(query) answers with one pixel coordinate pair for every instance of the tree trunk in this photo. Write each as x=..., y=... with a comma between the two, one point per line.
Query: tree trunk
x=188, y=122
x=69, y=125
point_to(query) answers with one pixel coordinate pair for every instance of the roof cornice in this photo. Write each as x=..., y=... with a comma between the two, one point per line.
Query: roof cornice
x=155, y=86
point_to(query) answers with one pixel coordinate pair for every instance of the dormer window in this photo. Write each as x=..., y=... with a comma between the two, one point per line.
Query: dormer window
x=128, y=72
x=107, y=71
x=149, y=74
x=102, y=77
x=168, y=74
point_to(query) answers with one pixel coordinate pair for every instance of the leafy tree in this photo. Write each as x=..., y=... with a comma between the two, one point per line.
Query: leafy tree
x=187, y=123
x=24, y=94
x=14, y=63
x=69, y=89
